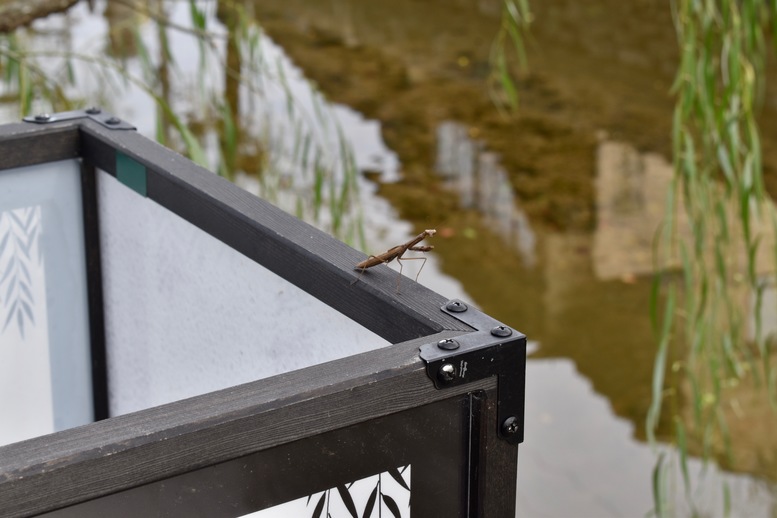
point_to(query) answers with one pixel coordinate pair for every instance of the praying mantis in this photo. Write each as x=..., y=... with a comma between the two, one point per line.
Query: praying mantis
x=397, y=252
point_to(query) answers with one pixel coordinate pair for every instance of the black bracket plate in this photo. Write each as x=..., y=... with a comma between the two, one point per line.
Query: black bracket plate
x=492, y=349
x=96, y=114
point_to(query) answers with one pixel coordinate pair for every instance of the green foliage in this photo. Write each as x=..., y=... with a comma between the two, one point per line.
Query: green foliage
x=701, y=318
x=38, y=79
x=28, y=81
x=513, y=30
x=718, y=171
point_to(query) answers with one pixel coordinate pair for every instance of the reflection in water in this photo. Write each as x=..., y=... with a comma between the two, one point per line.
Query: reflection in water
x=630, y=199
x=768, y=310
x=483, y=184
x=631, y=189
x=587, y=299
x=630, y=205
x=412, y=66
x=580, y=461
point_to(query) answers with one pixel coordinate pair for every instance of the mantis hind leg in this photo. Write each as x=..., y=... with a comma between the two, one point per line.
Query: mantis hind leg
x=421, y=268
x=361, y=271
x=400, y=259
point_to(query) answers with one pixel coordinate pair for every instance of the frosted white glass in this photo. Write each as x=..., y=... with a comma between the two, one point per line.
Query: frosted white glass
x=359, y=491
x=45, y=376
x=186, y=314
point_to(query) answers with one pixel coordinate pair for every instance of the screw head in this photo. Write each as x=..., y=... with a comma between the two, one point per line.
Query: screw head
x=501, y=331
x=113, y=121
x=510, y=426
x=447, y=373
x=456, y=306
x=42, y=117
x=448, y=344
x=94, y=110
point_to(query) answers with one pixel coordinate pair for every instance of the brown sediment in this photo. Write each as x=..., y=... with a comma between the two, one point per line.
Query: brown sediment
x=551, y=162
x=597, y=72
x=603, y=69
x=548, y=148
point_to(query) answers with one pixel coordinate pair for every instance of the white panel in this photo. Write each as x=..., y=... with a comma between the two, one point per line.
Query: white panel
x=372, y=497
x=186, y=314
x=45, y=377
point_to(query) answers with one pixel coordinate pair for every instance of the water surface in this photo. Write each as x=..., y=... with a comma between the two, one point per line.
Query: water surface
x=545, y=220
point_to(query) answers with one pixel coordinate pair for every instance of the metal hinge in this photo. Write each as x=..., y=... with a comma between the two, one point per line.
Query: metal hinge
x=492, y=349
x=96, y=114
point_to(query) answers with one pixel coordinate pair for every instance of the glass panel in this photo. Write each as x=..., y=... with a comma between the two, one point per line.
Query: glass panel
x=45, y=373
x=387, y=492
x=186, y=314
x=339, y=469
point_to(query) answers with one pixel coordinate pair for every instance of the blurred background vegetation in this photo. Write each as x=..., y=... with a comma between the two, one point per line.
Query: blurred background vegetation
x=609, y=162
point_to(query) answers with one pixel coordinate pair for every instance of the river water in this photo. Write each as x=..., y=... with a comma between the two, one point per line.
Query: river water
x=545, y=221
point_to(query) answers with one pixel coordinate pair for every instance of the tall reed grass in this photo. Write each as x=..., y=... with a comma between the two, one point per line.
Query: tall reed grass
x=306, y=165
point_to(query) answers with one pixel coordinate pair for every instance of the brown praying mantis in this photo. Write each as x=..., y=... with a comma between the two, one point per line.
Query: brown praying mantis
x=396, y=253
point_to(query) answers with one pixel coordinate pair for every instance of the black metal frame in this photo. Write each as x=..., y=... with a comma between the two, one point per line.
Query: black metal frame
x=94, y=292
x=81, y=464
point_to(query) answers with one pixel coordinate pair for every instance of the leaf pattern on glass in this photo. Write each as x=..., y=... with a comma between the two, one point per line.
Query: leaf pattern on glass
x=370, y=503
x=347, y=500
x=392, y=505
x=351, y=497
x=396, y=475
x=19, y=233
x=320, y=505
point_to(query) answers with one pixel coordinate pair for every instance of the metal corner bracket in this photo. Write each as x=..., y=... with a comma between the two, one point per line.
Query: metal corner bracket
x=94, y=113
x=492, y=349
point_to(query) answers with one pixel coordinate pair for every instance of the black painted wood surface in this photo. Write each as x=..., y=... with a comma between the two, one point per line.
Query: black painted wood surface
x=76, y=465
x=309, y=258
x=51, y=471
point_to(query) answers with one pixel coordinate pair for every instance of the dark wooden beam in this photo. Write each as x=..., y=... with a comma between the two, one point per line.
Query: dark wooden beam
x=24, y=144
x=303, y=255
x=80, y=464
x=83, y=463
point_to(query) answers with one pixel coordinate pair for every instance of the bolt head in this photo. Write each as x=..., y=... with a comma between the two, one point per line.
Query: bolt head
x=501, y=331
x=42, y=117
x=447, y=373
x=94, y=110
x=448, y=344
x=456, y=306
x=113, y=121
x=510, y=426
